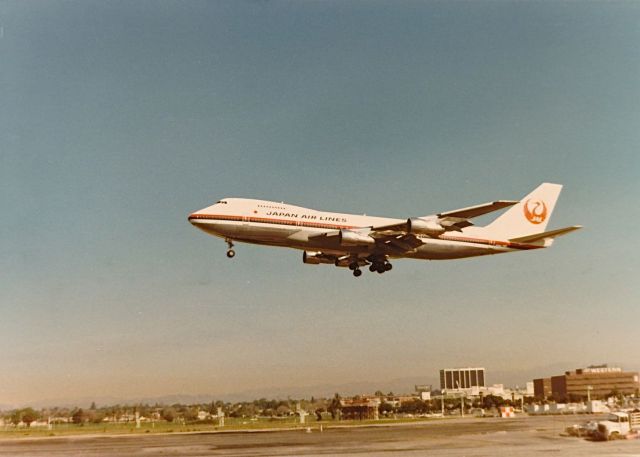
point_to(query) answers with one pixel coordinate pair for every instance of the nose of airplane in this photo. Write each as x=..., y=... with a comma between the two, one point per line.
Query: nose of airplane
x=201, y=218
x=193, y=218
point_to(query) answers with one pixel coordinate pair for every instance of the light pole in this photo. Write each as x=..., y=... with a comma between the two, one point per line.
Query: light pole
x=589, y=389
x=461, y=398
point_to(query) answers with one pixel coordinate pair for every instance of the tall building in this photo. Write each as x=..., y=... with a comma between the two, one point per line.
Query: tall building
x=461, y=378
x=596, y=381
x=542, y=388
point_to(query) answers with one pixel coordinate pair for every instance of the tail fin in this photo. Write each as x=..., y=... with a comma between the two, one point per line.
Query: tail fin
x=528, y=217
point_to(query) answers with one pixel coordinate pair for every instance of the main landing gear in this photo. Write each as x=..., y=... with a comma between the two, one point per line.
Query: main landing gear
x=378, y=266
x=355, y=267
x=230, y=252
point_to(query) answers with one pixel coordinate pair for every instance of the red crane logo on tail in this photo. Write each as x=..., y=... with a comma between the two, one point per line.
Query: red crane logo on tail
x=535, y=211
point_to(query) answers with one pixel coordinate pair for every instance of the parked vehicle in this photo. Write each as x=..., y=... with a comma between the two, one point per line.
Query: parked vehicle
x=618, y=425
x=585, y=429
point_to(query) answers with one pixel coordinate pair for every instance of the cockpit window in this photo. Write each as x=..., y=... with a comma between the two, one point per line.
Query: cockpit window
x=221, y=201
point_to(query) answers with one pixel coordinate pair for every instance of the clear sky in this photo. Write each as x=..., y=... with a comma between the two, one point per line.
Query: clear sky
x=119, y=118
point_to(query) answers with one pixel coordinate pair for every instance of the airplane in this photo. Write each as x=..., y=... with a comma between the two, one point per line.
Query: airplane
x=355, y=241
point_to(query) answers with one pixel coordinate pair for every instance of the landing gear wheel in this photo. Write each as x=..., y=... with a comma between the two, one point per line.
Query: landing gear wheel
x=357, y=272
x=230, y=252
x=372, y=267
x=380, y=268
x=353, y=266
x=387, y=266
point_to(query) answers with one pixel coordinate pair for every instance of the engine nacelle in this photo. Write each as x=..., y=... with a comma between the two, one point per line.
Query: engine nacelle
x=315, y=258
x=430, y=227
x=353, y=238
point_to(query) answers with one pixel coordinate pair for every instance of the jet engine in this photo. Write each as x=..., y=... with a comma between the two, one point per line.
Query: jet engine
x=353, y=238
x=430, y=227
x=316, y=258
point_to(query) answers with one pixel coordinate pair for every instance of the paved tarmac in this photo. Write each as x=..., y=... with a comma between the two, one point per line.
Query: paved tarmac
x=520, y=436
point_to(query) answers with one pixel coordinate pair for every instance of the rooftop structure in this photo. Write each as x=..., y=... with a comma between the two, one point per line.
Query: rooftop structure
x=360, y=409
x=461, y=378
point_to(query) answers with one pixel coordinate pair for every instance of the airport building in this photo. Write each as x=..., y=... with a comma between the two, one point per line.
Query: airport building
x=461, y=378
x=596, y=381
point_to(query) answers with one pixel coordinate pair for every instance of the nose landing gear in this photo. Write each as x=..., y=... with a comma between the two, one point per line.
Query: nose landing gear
x=230, y=252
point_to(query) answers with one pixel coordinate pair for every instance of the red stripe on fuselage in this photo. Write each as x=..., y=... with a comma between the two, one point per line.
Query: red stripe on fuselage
x=267, y=220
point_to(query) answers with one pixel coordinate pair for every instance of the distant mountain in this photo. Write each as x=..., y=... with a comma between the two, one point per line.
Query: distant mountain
x=85, y=402
x=397, y=386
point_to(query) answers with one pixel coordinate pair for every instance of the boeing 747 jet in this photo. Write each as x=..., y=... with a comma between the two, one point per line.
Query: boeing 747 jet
x=354, y=241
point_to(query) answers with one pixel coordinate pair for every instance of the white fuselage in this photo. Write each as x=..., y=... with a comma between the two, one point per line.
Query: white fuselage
x=280, y=224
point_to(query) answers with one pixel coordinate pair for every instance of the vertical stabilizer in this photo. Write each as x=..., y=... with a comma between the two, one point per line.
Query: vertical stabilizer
x=528, y=217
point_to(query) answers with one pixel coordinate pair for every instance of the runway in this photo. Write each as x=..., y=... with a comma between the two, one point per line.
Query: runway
x=452, y=437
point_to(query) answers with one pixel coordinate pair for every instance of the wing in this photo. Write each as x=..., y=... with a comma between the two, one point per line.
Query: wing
x=397, y=244
x=443, y=222
x=395, y=239
x=479, y=210
x=341, y=245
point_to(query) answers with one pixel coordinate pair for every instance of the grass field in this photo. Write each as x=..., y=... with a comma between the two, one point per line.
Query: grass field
x=231, y=424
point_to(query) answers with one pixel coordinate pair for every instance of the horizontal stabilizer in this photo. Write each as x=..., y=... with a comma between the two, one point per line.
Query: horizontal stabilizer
x=544, y=235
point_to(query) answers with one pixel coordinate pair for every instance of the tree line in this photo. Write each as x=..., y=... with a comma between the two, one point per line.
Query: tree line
x=322, y=408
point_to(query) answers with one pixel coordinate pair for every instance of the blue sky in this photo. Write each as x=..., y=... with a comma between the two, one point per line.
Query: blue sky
x=118, y=119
